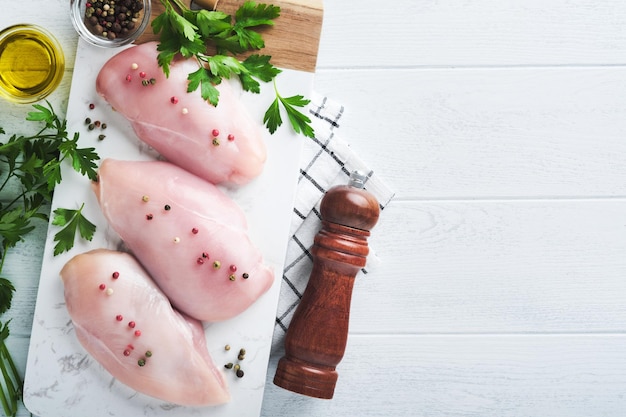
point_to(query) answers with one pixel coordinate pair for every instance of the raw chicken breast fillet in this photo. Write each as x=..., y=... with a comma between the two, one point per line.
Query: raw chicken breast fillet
x=221, y=144
x=190, y=236
x=127, y=324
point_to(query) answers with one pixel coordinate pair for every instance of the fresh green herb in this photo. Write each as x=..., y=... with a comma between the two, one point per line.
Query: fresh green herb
x=191, y=32
x=30, y=167
x=11, y=386
x=71, y=221
x=33, y=165
x=299, y=121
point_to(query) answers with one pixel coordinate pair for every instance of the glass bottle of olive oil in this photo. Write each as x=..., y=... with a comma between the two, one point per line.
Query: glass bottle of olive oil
x=31, y=63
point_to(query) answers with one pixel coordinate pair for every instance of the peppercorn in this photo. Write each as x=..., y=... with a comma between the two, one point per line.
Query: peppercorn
x=229, y=365
x=110, y=19
x=239, y=373
x=101, y=137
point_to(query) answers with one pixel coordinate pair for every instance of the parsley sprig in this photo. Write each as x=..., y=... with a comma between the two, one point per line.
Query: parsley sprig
x=71, y=221
x=33, y=164
x=191, y=32
x=30, y=168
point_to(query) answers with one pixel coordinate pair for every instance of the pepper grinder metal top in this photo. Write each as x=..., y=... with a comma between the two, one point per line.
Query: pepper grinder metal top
x=316, y=339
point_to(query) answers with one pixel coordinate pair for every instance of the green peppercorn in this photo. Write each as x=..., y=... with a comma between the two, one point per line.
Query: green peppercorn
x=141, y=362
x=87, y=121
x=101, y=137
x=148, y=354
x=229, y=365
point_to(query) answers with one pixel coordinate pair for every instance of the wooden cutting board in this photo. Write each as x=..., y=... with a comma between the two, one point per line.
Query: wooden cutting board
x=62, y=380
x=292, y=42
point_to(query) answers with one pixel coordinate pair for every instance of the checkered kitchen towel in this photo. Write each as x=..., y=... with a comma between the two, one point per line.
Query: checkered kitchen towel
x=326, y=161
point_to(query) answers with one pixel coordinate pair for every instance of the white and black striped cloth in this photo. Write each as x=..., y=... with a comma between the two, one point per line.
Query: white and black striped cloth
x=327, y=160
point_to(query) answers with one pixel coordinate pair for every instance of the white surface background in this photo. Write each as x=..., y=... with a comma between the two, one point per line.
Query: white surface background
x=501, y=125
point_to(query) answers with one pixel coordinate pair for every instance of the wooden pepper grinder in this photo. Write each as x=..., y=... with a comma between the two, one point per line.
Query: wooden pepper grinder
x=316, y=339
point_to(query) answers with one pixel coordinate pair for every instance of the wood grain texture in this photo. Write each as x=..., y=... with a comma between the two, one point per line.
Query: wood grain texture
x=531, y=266
x=459, y=33
x=292, y=42
x=471, y=376
x=487, y=133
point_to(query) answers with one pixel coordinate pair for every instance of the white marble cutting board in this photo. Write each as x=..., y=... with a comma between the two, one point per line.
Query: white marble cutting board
x=62, y=380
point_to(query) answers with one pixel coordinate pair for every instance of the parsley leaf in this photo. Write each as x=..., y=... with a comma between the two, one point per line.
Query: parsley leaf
x=272, y=117
x=71, y=221
x=251, y=15
x=14, y=224
x=203, y=79
x=299, y=121
x=6, y=294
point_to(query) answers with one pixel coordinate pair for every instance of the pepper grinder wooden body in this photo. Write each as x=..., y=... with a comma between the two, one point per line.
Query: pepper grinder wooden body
x=316, y=339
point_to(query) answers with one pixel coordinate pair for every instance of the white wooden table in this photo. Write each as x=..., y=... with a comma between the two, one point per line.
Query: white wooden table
x=501, y=125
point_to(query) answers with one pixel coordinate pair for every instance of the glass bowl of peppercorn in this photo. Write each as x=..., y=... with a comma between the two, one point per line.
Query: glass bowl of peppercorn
x=110, y=23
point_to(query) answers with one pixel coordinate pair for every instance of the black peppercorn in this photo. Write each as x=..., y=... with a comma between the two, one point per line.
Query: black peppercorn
x=113, y=19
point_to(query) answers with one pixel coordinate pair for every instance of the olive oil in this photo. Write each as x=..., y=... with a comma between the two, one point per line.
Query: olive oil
x=31, y=63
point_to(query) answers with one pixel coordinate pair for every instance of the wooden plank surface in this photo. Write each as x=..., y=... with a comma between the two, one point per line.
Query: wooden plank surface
x=495, y=133
x=531, y=266
x=292, y=42
x=459, y=33
x=471, y=376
